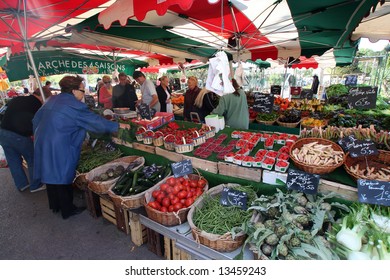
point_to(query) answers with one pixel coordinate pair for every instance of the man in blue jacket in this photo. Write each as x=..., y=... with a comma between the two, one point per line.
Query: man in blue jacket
x=60, y=128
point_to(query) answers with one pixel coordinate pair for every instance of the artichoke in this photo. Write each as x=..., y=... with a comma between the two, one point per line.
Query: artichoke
x=267, y=249
x=295, y=242
x=302, y=201
x=282, y=250
x=302, y=219
x=272, y=239
x=270, y=224
x=280, y=230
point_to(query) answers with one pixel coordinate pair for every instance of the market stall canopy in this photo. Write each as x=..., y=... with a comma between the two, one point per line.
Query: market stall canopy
x=247, y=29
x=165, y=68
x=60, y=62
x=41, y=19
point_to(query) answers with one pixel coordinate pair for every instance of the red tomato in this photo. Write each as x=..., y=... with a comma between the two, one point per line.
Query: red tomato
x=171, y=181
x=170, y=208
x=194, y=183
x=201, y=183
x=189, y=194
x=171, y=196
x=183, y=201
x=198, y=192
x=166, y=202
x=177, y=206
x=169, y=189
x=185, y=183
x=189, y=202
x=181, y=179
x=164, y=187
x=155, y=193
x=182, y=194
x=176, y=189
x=152, y=204
x=160, y=197
x=175, y=200
x=164, y=209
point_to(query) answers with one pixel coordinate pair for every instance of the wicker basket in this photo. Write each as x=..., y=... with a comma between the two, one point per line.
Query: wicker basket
x=80, y=181
x=315, y=169
x=210, y=133
x=148, y=139
x=325, y=123
x=131, y=201
x=200, y=139
x=287, y=124
x=158, y=139
x=221, y=243
x=170, y=146
x=167, y=218
x=184, y=148
x=140, y=136
x=382, y=160
x=102, y=187
x=265, y=122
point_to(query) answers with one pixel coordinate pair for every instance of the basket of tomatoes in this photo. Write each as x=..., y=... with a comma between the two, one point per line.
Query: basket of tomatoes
x=169, y=201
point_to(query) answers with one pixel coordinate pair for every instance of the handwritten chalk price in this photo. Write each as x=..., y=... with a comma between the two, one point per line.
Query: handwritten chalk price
x=374, y=192
x=234, y=197
x=302, y=181
x=182, y=168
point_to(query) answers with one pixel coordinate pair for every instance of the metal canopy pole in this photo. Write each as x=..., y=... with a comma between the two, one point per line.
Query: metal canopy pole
x=27, y=46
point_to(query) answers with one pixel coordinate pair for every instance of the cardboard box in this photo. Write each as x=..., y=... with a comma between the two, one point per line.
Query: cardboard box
x=274, y=178
x=165, y=117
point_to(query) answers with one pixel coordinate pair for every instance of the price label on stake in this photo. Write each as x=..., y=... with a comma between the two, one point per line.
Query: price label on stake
x=263, y=102
x=302, y=181
x=363, y=148
x=374, y=192
x=347, y=142
x=144, y=111
x=234, y=197
x=182, y=168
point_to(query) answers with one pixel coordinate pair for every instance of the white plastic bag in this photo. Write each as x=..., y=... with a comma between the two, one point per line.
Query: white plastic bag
x=169, y=108
x=3, y=160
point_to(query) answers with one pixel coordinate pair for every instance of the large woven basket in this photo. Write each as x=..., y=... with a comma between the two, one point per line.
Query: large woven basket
x=265, y=122
x=131, y=201
x=284, y=124
x=221, y=243
x=315, y=169
x=377, y=162
x=102, y=187
x=167, y=218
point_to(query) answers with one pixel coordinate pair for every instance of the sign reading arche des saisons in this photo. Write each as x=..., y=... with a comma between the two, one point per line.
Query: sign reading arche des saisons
x=56, y=62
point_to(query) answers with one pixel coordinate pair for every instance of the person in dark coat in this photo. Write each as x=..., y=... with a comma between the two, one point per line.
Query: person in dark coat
x=60, y=127
x=123, y=94
x=189, y=97
x=16, y=138
x=315, y=84
x=205, y=103
x=164, y=93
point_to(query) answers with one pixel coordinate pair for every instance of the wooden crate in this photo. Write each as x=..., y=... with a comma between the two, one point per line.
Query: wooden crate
x=169, y=155
x=233, y=170
x=155, y=242
x=209, y=166
x=92, y=201
x=138, y=232
x=121, y=142
x=343, y=191
x=146, y=148
x=115, y=215
x=171, y=252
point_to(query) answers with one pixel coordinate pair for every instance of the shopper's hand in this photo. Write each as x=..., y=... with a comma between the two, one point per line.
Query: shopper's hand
x=124, y=125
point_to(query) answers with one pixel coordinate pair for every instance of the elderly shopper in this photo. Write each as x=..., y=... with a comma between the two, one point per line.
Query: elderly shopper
x=60, y=128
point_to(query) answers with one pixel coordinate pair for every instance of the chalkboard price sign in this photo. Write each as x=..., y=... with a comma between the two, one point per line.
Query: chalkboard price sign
x=307, y=93
x=302, y=181
x=263, y=102
x=361, y=148
x=234, y=197
x=144, y=111
x=347, y=142
x=276, y=90
x=182, y=168
x=374, y=192
x=362, y=97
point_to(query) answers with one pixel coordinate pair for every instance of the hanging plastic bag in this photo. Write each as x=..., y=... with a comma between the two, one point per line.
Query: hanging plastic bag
x=3, y=160
x=169, y=108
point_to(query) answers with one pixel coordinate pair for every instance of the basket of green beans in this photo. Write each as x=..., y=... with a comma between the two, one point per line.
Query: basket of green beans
x=213, y=224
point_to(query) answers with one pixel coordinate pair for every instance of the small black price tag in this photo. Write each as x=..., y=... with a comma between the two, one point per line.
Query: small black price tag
x=263, y=102
x=362, y=148
x=234, y=197
x=302, y=181
x=182, y=168
x=144, y=111
x=347, y=142
x=374, y=192
x=362, y=97
x=110, y=147
x=276, y=89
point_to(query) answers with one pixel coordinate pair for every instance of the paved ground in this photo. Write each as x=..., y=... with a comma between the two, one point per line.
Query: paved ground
x=30, y=231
